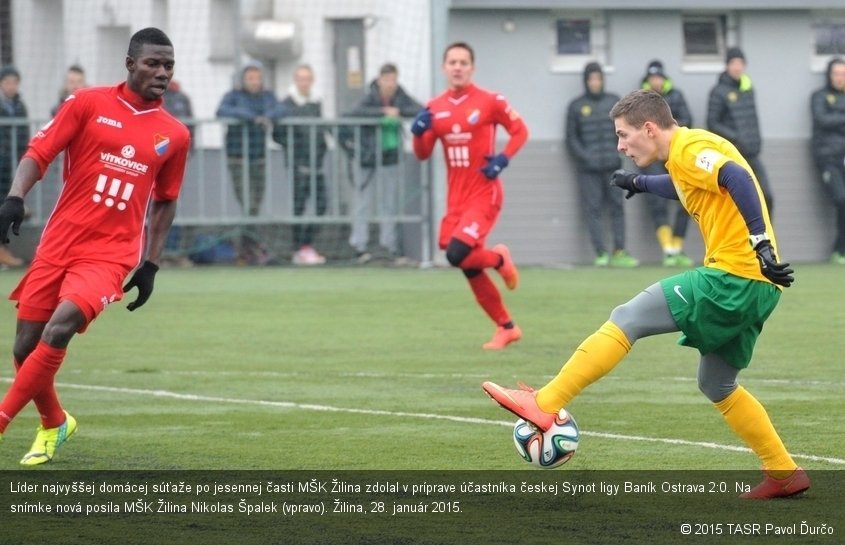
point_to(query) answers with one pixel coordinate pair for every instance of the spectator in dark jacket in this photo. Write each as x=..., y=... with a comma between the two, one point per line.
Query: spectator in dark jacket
x=670, y=232
x=732, y=114
x=178, y=104
x=255, y=109
x=388, y=101
x=74, y=80
x=591, y=140
x=14, y=140
x=299, y=140
x=828, y=108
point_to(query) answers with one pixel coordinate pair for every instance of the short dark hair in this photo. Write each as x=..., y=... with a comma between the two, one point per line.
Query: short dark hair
x=9, y=71
x=643, y=105
x=147, y=36
x=388, y=68
x=459, y=45
x=76, y=68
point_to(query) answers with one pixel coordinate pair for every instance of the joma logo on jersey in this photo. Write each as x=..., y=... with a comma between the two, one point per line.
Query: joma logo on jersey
x=116, y=195
x=110, y=122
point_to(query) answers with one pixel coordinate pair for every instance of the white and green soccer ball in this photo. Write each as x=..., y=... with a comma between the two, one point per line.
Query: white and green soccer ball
x=547, y=449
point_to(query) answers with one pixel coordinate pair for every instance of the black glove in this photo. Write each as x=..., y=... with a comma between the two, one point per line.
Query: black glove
x=422, y=122
x=625, y=180
x=12, y=214
x=143, y=279
x=779, y=273
x=495, y=165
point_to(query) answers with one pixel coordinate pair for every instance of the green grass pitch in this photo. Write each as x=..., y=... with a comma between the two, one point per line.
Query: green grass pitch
x=352, y=368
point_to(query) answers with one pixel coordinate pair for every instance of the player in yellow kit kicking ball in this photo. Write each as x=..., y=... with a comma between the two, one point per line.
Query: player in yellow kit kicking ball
x=719, y=308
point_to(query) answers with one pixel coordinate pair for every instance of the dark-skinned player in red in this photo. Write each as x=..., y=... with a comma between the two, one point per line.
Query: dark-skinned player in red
x=124, y=162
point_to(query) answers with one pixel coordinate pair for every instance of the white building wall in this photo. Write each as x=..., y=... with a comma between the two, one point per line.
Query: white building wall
x=53, y=34
x=397, y=32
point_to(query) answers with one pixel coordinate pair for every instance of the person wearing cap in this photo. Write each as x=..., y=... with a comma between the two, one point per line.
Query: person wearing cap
x=14, y=140
x=591, y=140
x=828, y=108
x=732, y=114
x=670, y=232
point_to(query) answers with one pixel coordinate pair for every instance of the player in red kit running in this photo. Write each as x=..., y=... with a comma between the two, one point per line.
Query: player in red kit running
x=124, y=161
x=464, y=119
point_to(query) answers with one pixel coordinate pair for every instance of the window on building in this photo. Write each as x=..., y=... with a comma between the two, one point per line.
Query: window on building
x=573, y=37
x=827, y=38
x=6, y=53
x=704, y=38
x=579, y=37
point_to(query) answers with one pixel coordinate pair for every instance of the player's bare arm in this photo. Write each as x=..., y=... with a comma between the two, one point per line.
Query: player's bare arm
x=161, y=218
x=26, y=176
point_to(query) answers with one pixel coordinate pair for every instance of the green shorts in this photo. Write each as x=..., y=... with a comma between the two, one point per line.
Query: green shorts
x=720, y=313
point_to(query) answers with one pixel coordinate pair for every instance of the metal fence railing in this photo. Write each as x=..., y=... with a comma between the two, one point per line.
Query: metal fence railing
x=241, y=177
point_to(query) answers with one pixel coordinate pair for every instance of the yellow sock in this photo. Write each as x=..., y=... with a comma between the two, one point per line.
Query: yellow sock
x=747, y=417
x=678, y=243
x=596, y=357
x=664, y=237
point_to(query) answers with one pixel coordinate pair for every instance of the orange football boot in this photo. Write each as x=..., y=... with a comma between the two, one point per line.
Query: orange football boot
x=522, y=403
x=507, y=269
x=795, y=483
x=503, y=337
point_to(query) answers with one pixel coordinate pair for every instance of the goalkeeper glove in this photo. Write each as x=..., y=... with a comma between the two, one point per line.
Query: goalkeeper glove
x=495, y=165
x=12, y=214
x=626, y=180
x=778, y=273
x=143, y=279
x=422, y=122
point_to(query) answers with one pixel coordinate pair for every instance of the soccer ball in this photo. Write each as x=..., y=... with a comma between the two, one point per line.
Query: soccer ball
x=547, y=449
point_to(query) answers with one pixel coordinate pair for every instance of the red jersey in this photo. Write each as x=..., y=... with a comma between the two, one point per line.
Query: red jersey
x=465, y=123
x=119, y=151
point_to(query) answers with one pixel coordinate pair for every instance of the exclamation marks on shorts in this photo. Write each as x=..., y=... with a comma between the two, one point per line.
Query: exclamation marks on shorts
x=113, y=191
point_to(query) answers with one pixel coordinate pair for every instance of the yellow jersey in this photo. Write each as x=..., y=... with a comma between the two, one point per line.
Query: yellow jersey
x=695, y=157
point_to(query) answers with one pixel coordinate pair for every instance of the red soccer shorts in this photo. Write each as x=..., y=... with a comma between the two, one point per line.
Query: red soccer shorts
x=91, y=286
x=470, y=225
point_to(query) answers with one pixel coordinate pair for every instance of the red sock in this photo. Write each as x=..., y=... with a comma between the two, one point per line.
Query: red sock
x=47, y=403
x=35, y=374
x=481, y=258
x=488, y=296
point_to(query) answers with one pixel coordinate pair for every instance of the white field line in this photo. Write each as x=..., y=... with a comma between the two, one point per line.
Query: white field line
x=378, y=374
x=430, y=416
